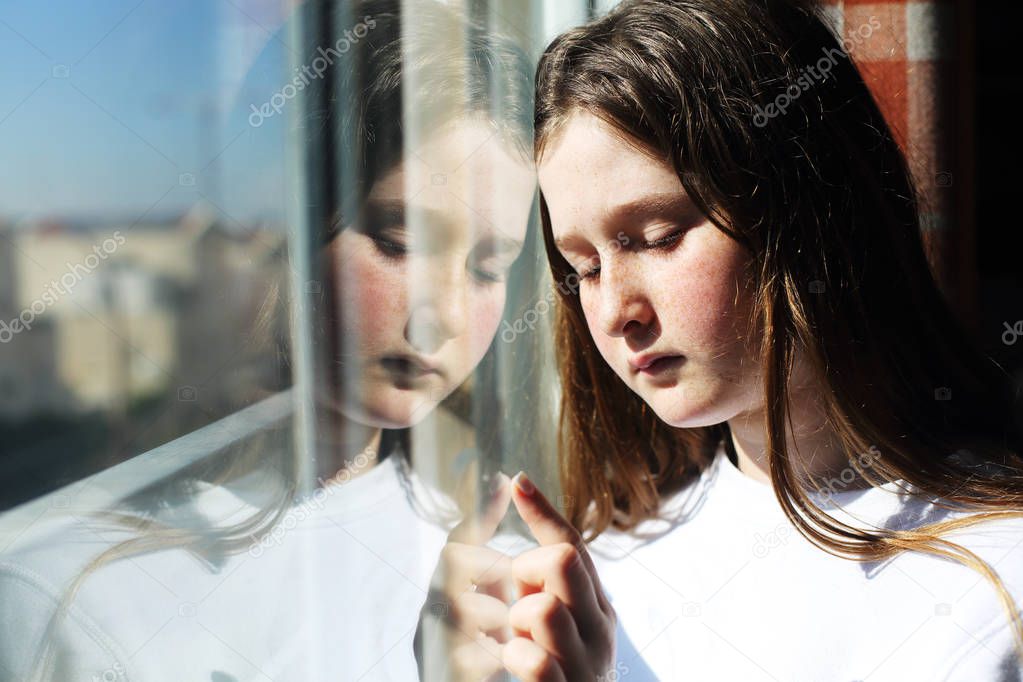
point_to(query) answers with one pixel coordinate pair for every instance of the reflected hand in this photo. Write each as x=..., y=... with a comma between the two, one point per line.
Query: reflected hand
x=564, y=625
x=467, y=608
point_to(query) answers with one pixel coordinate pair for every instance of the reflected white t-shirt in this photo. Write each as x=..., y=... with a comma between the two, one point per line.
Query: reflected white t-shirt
x=734, y=592
x=334, y=594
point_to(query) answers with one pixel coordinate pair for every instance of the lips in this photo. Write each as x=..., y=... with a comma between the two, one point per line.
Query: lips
x=408, y=365
x=652, y=363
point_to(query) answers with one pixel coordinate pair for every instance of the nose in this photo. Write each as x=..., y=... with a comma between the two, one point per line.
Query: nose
x=439, y=308
x=624, y=308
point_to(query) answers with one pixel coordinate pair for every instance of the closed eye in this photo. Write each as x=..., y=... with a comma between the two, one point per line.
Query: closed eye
x=589, y=269
x=390, y=247
x=664, y=242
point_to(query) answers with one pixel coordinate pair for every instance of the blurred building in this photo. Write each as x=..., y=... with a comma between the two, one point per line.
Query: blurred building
x=102, y=316
x=29, y=381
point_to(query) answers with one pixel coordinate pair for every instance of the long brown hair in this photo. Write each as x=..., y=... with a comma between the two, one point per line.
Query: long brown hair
x=821, y=195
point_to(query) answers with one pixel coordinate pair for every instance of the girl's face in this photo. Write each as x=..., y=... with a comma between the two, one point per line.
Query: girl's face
x=661, y=287
x=421, y=275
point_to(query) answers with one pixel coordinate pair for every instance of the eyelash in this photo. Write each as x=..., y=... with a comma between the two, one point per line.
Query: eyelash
x=486, y=277
x=389, y=248
x=665, y=241
x=662, y=243
x=397, y=251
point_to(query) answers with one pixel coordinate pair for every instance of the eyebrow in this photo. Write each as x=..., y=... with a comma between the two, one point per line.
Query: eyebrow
x=643, y=208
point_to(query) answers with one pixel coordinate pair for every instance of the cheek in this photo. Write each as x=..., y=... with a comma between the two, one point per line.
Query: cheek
x=695, y=303
x=701, y=313
x=372, y=296
x=486, y=308
x=701, y=305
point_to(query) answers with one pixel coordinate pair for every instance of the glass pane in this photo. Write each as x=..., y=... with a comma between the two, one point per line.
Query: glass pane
x=142, y=230
x=274, y=315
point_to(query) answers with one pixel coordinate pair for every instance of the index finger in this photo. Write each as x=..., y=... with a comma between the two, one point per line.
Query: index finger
x=547, y=524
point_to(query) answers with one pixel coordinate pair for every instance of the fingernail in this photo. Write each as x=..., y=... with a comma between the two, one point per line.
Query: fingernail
x=495, y=483
x=524, y=484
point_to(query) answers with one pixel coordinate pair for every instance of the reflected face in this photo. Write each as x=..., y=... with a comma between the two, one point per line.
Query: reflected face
x=421, y=275
x=660, y=286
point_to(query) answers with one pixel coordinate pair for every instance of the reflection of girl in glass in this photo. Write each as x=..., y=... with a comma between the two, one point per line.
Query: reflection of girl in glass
x=429, y=226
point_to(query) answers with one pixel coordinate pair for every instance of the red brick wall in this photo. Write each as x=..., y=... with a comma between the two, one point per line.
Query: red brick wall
x=916, y=55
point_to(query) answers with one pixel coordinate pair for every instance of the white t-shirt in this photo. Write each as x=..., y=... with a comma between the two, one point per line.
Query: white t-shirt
x=734, y=592
x=334, y=594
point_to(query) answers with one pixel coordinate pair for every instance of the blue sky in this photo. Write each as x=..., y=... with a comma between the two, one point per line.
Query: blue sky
x=101, y=103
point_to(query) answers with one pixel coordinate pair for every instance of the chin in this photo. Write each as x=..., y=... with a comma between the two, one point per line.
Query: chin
x=382, y=412
x=672, y=409
x=395, y=408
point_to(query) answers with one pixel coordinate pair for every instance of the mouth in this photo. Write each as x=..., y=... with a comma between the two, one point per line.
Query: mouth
x=655, y=363
x=407, y=366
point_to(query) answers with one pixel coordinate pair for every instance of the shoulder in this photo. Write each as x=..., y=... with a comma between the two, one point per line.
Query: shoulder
x=53, y=551
x=33, y=583
x=974, y=615
x=51, y=563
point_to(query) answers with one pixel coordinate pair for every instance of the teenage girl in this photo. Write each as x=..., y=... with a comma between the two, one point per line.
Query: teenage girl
x=798, y=465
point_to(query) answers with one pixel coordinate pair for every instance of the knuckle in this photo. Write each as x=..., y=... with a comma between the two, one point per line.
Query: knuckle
x=449, y=554
x=547, y=605
x=566, y=557
x=537, y=610
x=552, y=619
x=607, y=635
x=520, y=613
x=545, y=609
x=542, y=666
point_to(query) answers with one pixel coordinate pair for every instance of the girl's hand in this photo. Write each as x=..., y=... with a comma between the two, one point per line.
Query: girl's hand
x=564, y=625
x=465, y=619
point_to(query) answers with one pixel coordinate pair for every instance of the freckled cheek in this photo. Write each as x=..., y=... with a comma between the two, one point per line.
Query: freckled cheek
x=485, y=308
x=373, y=300
x=700, y=313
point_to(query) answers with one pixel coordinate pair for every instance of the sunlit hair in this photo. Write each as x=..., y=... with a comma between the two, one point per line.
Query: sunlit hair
x=364, y=118
x=821, y=195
